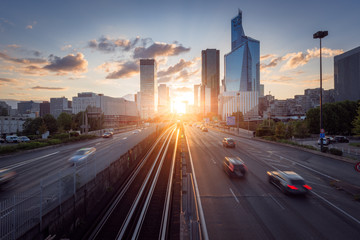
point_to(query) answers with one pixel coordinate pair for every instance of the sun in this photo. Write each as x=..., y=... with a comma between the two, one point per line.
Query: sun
x=178, y=106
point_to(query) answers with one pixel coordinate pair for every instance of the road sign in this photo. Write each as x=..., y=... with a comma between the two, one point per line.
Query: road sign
x=230, y=121
x=357, y=167
x=322, y=130
x=322, y=135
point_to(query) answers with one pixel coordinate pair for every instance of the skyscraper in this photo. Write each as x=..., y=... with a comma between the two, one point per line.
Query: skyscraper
x=347, y=75
x=148, y=88
x=242, y=64
x=197, y=98
x=210, y=81
x=242, y=73
x=164, y=99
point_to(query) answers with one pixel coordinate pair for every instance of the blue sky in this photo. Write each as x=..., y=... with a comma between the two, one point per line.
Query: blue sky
x=59, y=48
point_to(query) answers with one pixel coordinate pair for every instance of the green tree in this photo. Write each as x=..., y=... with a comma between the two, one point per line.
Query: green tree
x=280, y=130
x=50, y=123
x=300, y=129
x=77, y=121
x=64, y=121
x=313, y=120
x=42, y=129
x=31, y=126
x=356, y=123
x=239, y=118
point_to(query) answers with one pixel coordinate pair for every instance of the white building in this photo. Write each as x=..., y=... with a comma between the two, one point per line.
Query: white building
x=164, y=99
x=148, y=88
x=59, y=105
x=11, y=125
x=245, y=102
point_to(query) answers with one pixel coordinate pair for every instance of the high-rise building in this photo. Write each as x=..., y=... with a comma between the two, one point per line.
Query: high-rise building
x=148, y=88
x=347, y=75
x=44, y=108
x=164, y=99
x=210, y=81
x=242, y=64
x=197, y=89
x=242, y=73
x=28, y=107
x=58, y=106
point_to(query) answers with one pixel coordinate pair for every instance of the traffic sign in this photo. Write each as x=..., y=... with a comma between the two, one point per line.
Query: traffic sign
x=230, y=121
x=322, y=135
x=357, y=167
x=322, y=130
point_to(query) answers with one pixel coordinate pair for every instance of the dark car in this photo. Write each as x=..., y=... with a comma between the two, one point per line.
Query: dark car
x=288, y=182
x=107, y=135
x=234, y=167
x=228, y=142
x=6, y=175
x=341, y=139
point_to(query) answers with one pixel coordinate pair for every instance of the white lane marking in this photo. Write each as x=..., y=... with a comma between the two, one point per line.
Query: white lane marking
x=280, y=165
x=322, y=185
x=97, y=144
x=213, y=160
x=323, y=174
x=276, y=202
x=124, y=138
x=237, y=200
x=30, y=161
x=339, y=209
x=201, y=211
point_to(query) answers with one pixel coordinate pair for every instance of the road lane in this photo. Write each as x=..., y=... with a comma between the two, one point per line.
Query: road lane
x=264, y=212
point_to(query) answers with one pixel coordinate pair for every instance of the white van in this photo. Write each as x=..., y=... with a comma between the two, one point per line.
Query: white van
x=11, y=139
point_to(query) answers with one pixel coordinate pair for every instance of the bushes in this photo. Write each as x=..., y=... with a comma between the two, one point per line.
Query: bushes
x=335, y=151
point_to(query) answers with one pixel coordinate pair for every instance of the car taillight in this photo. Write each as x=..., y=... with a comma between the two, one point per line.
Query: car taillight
x=231, y=167
x=292, y=187
x=307, y=187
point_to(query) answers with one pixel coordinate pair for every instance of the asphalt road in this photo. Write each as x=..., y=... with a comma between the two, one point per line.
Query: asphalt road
x=34, y=166
x=252, y=208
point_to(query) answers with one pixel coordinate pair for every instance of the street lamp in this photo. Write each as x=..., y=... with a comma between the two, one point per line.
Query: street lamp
x=320, y=35
x=238, y=114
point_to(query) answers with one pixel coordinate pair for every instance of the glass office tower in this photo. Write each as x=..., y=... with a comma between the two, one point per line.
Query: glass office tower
x=242, y=64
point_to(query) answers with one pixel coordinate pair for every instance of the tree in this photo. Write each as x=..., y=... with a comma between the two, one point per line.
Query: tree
x=239, y=117
x=280, y=130
x=50, y=123
x=313, y=120
x=356, y=122
x=300, y=129
x=31, y=126
x=42, y=129
x=64, y=121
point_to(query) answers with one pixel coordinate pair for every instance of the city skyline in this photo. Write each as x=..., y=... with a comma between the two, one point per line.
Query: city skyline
x=97, y=48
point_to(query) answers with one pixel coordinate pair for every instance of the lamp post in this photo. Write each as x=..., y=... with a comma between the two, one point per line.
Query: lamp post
x=238, y=114
x=320, y=35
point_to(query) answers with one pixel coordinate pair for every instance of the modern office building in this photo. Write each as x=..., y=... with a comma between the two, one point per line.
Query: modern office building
x=5, y=109
x=58, y=106
x=116, y=111
x=28, y=107
x=164, y=99
x=347, y=75
x=44, y=108
x=148, y=88
x=197, y=91
x=242, y=73
x=210, y=81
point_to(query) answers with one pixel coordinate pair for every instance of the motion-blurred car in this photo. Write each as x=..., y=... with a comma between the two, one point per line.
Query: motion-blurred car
x=204, y=129
x=23, y=139
x=341, y=139
x=288, y=182
x=228, y=142
x=81, y=155
x=234, y=167
x=6, y=175
x=107, y=135
x=2, y=140
x=331, y=139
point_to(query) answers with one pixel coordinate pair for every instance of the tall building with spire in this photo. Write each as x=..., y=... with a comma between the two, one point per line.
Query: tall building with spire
x=242, y=73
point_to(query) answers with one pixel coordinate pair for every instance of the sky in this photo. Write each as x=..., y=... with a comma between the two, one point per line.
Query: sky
x=61, y=48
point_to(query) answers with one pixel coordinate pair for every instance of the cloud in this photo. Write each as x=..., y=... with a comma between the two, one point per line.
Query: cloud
x=264, y=57
x=69, y=63
x=185, y=75
x=159, y=49
x=273, y=63
x=295, y=60
x=108, y=45
x=4, y=81
x=30, y=26
x=14, y=46
x=48, y=88
x=184, y=89
x=7, y=58
x=66, y=47
x=176, y=68
x=127, y=69
x=164, y=79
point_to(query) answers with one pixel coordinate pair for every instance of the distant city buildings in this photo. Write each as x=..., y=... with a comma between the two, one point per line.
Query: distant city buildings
x=197, y=97
x=59, y=105
x=210, y=81
x=28, y=107
x=164, y=99
x=242, y=74
x=44, y=108
x=347, y=75
x=11, y=125
x=148, y=96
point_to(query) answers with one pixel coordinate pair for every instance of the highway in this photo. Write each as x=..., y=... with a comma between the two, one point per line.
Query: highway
x=34, y=166
x=252, y=208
